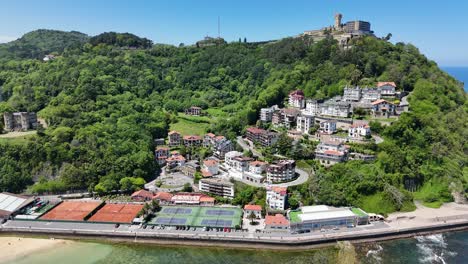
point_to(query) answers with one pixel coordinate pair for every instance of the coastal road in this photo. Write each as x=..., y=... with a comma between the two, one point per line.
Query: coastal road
x=248, y=146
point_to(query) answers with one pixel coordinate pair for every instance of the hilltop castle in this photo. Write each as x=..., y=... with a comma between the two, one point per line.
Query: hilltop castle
x=342, y=32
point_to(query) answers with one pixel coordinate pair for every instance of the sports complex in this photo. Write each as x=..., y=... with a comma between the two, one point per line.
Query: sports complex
x=198, y=216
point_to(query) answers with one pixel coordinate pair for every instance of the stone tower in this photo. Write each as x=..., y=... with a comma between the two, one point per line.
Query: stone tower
x=338, y=18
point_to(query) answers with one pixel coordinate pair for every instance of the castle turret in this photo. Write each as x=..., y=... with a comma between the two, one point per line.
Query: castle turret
x=338, y=18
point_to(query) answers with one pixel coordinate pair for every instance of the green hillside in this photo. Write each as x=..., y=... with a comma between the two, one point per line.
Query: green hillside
x=105, y=105
x=40, y=42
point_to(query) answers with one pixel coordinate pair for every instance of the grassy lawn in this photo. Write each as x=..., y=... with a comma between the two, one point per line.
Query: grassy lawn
x=216, y=112
x=429, y=194
x=188, y=127
x=379, y=204
x=17, y=137
x=294, y=216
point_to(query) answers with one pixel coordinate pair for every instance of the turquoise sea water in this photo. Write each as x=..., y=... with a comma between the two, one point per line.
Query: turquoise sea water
x=460, y=73
x=440, y=248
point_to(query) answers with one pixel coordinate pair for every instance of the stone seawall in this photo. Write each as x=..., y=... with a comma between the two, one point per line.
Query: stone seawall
x=288, y=242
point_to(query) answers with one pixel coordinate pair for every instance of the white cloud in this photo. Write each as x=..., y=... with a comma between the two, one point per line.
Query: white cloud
x=4, y=39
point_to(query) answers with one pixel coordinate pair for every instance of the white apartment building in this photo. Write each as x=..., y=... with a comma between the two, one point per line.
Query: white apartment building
x=304, y=123
x=276, y=198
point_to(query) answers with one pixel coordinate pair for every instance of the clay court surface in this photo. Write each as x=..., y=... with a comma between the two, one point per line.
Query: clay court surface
x=117, y=213
x=71, y=211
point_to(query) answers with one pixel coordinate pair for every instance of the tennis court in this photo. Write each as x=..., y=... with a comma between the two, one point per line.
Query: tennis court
x=117, y=213
x=198, y=216
x=71, y=211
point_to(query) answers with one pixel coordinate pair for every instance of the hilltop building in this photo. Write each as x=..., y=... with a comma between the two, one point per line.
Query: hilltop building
x=297, y=99
x=280, y=171
x=193, y=110
x=359, y=130
x=20, y=121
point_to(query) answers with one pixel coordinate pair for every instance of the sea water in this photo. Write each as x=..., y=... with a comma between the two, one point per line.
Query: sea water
x=459, y=73
x=439, y=248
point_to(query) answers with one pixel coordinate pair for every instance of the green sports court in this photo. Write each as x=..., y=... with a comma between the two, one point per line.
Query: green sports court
x=198, y=216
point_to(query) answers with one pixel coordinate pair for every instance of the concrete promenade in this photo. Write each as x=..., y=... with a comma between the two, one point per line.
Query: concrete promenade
x=379, y=231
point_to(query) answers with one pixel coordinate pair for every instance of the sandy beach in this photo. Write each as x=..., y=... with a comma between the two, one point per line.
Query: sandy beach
x=19, y=247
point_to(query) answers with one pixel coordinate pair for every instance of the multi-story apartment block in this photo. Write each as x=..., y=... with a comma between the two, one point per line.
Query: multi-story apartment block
x=192, y=141
x=20, y=121
x=312, y=107
x=161, y=153
x=335, y=108
x=387, y=89
x=304, y=123
x=383, y=108
x=297, y=99
x=276, y=197
x=352, y=94
x=229, y=158
x=266, y=114
x=263, y=137
x=328, y=127
x=331, y=152
x=257, y=167
x=359, y=130
x=280, y=171
x=217, y=187
x=370, y=94
x=175, y=139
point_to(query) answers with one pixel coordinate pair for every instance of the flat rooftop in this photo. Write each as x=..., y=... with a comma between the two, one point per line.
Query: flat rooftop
x=71, y=211
x=11, y=202
x=327, y=215
x=117, y=213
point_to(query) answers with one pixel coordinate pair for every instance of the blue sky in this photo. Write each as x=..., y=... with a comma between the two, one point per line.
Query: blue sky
x=438, y=28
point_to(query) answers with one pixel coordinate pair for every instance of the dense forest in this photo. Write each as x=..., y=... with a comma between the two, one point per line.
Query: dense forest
x=105, y=105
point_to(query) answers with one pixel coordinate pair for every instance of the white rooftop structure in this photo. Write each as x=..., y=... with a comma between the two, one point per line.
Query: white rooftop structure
x=327, y=214
x=10, y=203
x=314, y=208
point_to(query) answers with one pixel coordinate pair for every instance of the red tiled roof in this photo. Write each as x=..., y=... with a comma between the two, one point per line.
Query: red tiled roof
x=211, y=135
x=378, y=102
x=256, y=130
x=277, y=220
x=192, y=137
x=333, y=152
x=206, y=174
x=257, y=163
x=253, y=207
x=162, y=148
x=380, y=84
x=207, y=199
x=174, y=132
x=210, y=162
x=297, y=92
x=165, y=196
x=176, y=158
x=220, y=137
x=280, y=190
x=142, y=193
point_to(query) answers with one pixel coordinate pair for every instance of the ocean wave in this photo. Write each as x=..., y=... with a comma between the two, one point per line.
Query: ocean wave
x=375, y=254
x=433, y=249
